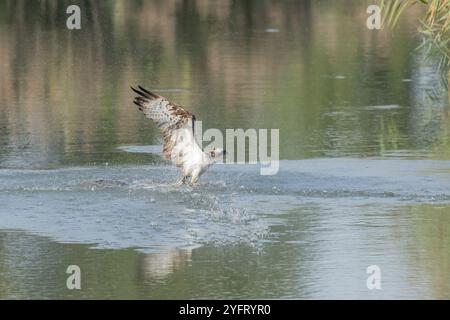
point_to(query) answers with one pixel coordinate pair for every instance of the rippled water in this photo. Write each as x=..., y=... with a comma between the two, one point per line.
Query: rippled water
x=364, y=177
x=141, y=206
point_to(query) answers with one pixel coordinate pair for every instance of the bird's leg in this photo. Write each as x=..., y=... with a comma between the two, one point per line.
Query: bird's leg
x=195, y=175
x=181, y=180
x=194, y=180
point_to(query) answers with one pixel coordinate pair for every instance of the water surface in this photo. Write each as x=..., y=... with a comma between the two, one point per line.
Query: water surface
x=364, y=146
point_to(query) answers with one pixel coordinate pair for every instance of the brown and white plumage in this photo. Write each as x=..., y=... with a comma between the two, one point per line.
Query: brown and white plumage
x=177, y=127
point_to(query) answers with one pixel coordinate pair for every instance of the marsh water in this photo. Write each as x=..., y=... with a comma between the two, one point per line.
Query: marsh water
x=364, y=174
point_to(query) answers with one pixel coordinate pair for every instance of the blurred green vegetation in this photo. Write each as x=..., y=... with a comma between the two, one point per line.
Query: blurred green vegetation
x=435, y=26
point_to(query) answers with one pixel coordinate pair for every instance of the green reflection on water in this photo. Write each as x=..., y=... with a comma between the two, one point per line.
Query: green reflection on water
x=300, y=260
x=324, y=80
x=66, y=100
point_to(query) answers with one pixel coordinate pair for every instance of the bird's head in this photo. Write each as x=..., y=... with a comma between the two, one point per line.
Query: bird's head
x=217, y=154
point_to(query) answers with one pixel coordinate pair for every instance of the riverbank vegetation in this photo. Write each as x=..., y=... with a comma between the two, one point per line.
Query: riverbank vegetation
x=434, y=26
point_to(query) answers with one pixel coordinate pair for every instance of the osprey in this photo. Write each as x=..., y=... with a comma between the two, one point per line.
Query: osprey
x=177, y=126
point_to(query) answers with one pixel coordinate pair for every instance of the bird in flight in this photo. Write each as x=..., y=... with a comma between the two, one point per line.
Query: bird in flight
x=177, y=127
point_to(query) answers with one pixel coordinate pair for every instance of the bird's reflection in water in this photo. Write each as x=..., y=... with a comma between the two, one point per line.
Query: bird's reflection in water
x=160, y=265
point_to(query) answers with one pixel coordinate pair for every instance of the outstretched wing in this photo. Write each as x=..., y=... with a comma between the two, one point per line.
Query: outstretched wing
x=168, y=116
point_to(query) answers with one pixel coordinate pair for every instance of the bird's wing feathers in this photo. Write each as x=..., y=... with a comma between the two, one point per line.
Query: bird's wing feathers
x=171, y=118
x=167, y=115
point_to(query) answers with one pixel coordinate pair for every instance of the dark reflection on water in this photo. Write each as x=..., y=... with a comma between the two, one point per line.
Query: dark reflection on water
x=309, y=258
x=323, y=78
x=310, y=68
